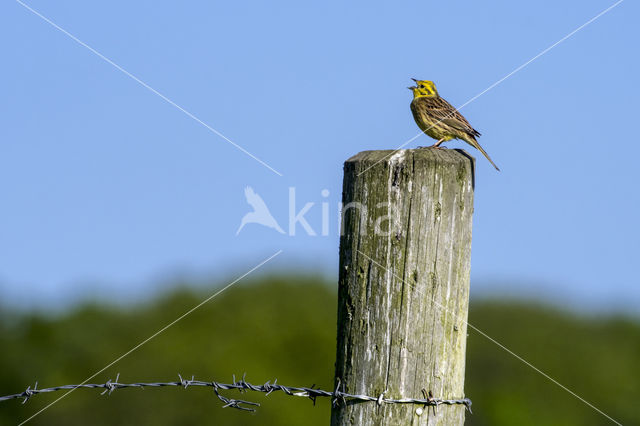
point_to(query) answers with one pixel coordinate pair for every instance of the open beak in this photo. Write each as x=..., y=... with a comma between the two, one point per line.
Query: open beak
x=414, y=80
x=411, y=87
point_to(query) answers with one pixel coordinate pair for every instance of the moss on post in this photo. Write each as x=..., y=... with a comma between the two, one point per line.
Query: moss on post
x=404, y=283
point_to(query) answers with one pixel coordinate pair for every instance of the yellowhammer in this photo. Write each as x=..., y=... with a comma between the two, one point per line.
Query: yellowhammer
x=439, y=119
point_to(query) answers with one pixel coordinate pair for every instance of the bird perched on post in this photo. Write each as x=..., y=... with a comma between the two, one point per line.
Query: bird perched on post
x=439, y=119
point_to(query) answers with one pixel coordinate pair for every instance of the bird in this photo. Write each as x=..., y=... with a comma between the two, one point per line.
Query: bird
x=439, y=119
x=260, y=213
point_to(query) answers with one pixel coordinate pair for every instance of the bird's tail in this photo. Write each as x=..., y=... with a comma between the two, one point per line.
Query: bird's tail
x=474, y=143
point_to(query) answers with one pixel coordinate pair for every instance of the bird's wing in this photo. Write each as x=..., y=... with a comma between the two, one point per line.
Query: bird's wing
x=254, y=199
x=443, y=111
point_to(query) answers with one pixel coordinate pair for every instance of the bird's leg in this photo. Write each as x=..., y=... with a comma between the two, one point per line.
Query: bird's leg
x=437, y=144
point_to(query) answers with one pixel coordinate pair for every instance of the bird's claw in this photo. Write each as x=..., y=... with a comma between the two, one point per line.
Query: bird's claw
x=432, y=146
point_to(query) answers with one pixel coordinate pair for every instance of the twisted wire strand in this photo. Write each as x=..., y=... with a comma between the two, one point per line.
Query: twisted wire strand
x=338, y=396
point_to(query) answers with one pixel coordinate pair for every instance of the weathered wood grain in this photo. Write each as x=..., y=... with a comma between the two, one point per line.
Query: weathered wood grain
x=404, y=283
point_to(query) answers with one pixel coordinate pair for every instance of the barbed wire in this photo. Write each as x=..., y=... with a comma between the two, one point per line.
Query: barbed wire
x=338, y=395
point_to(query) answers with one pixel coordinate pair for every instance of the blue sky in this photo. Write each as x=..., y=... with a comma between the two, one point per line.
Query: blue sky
x=109, y=190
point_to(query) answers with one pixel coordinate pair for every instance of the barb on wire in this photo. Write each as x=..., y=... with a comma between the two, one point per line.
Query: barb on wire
x=338, y=396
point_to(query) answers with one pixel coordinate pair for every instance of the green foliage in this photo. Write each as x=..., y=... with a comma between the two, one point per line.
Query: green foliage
x=596, y=358
x=285, y=328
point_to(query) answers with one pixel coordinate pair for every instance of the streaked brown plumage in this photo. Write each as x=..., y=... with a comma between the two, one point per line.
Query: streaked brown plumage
x=439, y=119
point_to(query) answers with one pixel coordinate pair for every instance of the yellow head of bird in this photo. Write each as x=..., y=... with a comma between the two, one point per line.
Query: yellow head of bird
x=423, y=88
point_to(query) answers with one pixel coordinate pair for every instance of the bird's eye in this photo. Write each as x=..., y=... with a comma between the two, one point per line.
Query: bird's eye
x=421, y=86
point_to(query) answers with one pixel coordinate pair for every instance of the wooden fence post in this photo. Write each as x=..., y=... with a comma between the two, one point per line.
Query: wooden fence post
x=404, y=284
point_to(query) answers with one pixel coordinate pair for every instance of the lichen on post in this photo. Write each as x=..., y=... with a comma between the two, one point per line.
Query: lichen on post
x=403, y=293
